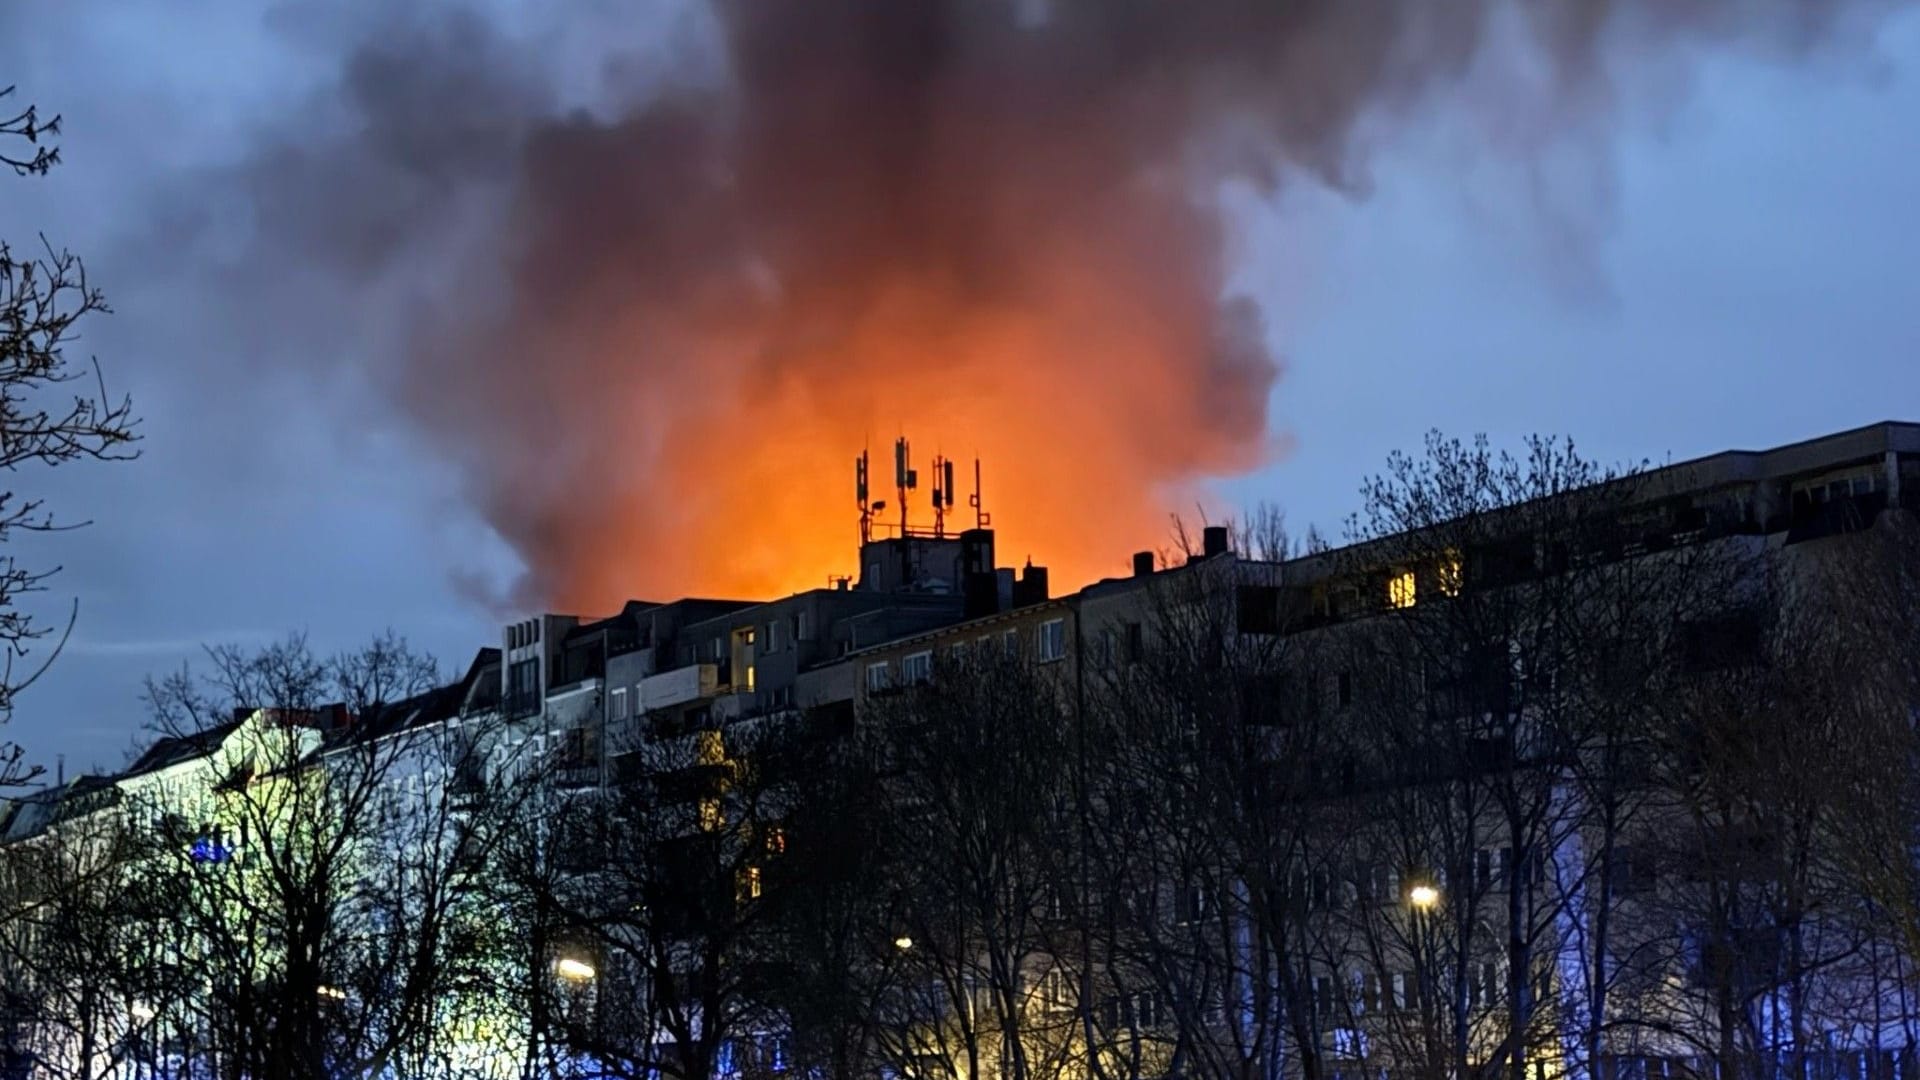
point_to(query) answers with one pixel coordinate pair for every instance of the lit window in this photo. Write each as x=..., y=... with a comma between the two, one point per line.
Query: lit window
x=1051, y=640
x=710, y=817
x=1400, y=589
x=750, y=883
x=917, y=668
x=749, y=683
x=710, y=748
x=776, y=840
x=1448, y=576
x=879, y=676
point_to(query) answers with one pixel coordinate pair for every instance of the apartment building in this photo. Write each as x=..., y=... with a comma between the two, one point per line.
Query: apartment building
x=665, y=694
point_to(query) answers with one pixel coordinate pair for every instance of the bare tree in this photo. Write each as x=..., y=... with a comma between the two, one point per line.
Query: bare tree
x=979, y=796
x=315, y=874
x=52, y=410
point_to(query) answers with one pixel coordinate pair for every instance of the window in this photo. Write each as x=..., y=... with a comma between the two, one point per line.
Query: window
x=1483, y=987
x=803, y=626
x=957, y=654
x=776, y=840
x=710, y=748
x=1324, y=995
x=1190, y=903
x=1051, y=640
x=749, y=680
x=617, y=704
x=917, y=668
x=1401, y=589
x=749, y=883
x=1632, y=871
x=1448, y=576
x=1056, y=990
x=879, y=676
x=1010, y=641
x=773, y=637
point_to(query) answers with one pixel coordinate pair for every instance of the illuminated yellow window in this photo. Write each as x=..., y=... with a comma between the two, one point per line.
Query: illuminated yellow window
x=1401, y=589
x=710, y=818
x=776, y=840
x=750, y=883
x=1448, y=574
x=749, y=677
x=710, y=749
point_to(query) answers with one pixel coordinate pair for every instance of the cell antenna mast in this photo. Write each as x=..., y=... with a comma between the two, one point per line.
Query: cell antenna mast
x=860, y=495
x=981, y=519
x=942, y=494
x=905, y=478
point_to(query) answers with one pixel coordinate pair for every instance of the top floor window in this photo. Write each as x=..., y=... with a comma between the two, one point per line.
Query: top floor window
x=917, y=668
x=879, y=676
x=1050, y=640
x=1401, y=589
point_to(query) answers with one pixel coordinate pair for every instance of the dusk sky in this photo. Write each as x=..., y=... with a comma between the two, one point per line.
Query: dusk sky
x=1730, y=258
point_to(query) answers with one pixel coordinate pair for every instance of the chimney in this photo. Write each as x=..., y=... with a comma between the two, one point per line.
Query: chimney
x=1143, y=564
x=1032, y=587
x=1213, y=541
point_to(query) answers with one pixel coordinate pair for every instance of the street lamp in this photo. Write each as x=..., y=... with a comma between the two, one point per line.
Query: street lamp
x=1423, y=897
x=903, y=943
x=578, y=970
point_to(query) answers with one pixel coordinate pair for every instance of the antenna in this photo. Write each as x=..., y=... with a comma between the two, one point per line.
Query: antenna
x=981, y=519
x=942, y=494
x=905, y=478
x=860, y=470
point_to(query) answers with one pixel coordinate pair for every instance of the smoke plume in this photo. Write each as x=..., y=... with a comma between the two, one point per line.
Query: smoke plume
x=666, y=326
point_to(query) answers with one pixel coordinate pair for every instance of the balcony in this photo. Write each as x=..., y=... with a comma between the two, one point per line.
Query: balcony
x=679, y=686
x=573, y=775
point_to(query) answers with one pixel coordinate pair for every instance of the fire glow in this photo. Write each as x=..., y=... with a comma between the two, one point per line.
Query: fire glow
x=996, y=226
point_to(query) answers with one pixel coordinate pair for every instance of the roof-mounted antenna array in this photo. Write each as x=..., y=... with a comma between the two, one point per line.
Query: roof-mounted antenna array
x=906, y=479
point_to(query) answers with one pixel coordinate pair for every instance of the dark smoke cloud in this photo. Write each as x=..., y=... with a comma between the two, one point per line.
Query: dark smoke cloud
x=649, y=334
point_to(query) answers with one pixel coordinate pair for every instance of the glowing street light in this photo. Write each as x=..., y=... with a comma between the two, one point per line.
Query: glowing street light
x=332, y=993
x=1423, y=896
x=578, y=970
x=903, y=943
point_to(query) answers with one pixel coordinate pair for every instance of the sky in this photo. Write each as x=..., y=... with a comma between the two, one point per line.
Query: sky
x=1737, y=265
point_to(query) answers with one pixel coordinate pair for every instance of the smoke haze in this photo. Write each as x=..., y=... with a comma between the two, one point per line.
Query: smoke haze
x=651, y=334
